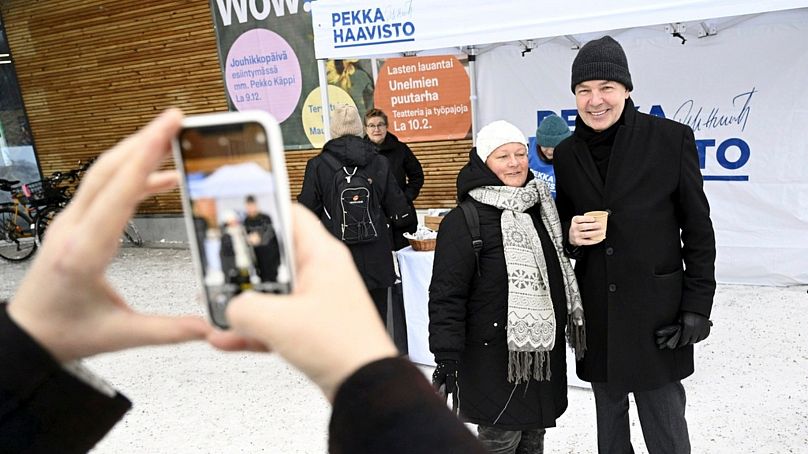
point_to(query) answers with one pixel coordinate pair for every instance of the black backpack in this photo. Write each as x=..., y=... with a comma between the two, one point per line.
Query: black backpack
x=352, y=204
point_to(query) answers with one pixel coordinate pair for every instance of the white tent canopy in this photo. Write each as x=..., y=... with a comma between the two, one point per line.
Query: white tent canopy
x=355, y=28
x=751, y=66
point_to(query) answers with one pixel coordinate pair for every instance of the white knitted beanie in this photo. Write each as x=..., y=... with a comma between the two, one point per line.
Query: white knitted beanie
x=496, y=134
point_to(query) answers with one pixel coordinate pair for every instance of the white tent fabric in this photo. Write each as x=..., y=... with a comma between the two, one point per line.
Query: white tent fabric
x=759, y=206
x=741, y=92
x=351, y=28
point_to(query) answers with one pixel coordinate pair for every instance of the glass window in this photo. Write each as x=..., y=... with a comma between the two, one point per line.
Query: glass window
x=18, y=159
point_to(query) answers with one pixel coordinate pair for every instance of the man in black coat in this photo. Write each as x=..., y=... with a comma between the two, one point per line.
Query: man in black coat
x=648, y=288
x=373, y=259
x=404, y=166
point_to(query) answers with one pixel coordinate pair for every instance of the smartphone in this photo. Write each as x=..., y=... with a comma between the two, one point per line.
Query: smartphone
x=236, y=204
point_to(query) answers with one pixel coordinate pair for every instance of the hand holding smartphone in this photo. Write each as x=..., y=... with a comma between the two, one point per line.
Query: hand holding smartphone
x=236, y=202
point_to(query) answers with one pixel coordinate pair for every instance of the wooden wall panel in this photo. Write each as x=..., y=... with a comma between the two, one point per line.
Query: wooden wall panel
x=92, y=72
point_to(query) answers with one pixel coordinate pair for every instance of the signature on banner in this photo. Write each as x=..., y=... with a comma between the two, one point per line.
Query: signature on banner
x=712, y=118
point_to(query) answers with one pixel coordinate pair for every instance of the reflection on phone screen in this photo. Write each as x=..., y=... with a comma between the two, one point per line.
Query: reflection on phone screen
x=235, y=212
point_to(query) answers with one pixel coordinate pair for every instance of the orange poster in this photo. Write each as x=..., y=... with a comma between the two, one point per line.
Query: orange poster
x=425, y=98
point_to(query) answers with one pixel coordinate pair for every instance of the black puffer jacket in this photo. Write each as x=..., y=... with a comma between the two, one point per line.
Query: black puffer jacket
x=373, y=260
x=409, y=176
x=468, y=314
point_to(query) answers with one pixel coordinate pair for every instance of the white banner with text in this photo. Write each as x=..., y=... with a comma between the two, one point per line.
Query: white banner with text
x=742, y=92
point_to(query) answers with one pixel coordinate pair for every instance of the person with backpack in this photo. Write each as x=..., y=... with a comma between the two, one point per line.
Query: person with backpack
x=501, y=296
x=350, y=187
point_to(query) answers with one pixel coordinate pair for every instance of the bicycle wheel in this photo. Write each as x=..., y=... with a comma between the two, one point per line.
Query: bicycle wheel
x=43, y=219
x=131, y=234
x=17, y=241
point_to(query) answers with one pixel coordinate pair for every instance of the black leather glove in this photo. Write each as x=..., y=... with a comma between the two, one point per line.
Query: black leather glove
x=668, y=336
x=445, y=377
x=695, y=328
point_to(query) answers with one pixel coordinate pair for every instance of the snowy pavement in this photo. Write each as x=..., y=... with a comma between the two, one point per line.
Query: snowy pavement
x=749, y=392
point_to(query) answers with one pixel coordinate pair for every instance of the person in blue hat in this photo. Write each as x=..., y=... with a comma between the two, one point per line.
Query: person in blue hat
x=551, y=131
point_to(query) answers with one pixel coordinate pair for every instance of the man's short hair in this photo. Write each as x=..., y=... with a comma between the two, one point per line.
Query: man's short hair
x=250, y=199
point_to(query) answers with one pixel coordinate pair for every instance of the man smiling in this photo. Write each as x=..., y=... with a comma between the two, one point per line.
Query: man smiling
x=648, y=287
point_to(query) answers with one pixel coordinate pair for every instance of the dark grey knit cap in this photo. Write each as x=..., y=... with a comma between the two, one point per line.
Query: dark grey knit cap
x=601, y=59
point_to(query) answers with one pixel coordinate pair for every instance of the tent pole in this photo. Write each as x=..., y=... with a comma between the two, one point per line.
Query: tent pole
x=472, y=54
x=326, y=110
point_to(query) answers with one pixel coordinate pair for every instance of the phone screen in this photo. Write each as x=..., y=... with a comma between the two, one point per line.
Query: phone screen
x=235, y=212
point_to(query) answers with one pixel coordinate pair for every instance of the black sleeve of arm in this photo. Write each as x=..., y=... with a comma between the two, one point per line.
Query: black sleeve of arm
x=388, y=406
x=44, y=408
x=310, y=196
x=453, y=272
x=698, y=237
x=394, y=204
x=415, y=175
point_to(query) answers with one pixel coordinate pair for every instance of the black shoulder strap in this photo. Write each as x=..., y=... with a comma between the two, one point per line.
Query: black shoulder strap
x=473, y=223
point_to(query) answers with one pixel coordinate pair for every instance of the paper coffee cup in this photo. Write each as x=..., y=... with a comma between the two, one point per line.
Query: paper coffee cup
x=603, y=218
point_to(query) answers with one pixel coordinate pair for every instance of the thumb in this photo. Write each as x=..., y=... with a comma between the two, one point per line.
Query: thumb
x=256, y=315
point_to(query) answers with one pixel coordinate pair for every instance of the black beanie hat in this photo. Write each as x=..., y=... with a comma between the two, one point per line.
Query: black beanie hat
x=601, y=59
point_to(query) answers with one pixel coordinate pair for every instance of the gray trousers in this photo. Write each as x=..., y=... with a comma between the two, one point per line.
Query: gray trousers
x=662, y=418
x=499, y=441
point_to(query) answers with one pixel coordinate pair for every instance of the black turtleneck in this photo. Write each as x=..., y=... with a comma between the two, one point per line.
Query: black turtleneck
x=600, y=143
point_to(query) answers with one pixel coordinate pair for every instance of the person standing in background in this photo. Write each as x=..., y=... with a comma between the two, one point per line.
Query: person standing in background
x=372, y=258
x=648, y=286
x=551, y=131
x=403, y=164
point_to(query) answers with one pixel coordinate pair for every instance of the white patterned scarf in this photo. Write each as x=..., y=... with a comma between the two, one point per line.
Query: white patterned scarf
x=531, y=328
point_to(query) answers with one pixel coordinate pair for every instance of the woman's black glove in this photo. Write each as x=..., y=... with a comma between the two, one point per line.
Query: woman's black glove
x=445, y=377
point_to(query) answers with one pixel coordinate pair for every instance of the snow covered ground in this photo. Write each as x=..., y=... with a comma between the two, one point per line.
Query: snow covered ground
x=749, y=392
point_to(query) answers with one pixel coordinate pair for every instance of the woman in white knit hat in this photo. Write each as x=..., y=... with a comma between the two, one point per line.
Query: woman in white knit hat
x=497, y=315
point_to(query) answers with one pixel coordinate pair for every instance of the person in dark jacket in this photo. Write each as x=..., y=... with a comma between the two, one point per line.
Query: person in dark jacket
x=50, y=403
x=497, y=321
x=263, y=239
x=655, y=269
x=403, y=164
x=373, y=259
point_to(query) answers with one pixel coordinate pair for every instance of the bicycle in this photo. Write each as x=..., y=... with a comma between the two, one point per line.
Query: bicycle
x=17, y=238
x=53, y=195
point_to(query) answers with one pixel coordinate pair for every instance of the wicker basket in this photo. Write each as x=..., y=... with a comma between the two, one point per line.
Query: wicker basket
x=423, y=245
x=433, y=222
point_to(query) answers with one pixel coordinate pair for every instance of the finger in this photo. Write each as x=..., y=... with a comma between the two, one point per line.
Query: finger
x=254, y=315
x=229, y=341
x=674, y=340
x=117, y=193
x=310, y=237
x=127, y=330
x=686, y=337
x=666, y=331
x=163, y=181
